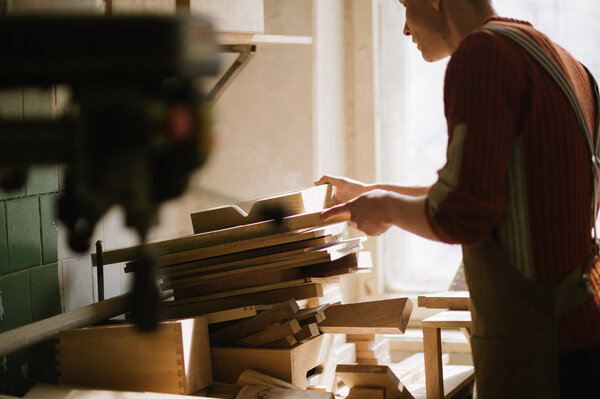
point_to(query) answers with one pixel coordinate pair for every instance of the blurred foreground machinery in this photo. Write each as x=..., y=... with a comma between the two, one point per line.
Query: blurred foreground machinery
x=134, y=130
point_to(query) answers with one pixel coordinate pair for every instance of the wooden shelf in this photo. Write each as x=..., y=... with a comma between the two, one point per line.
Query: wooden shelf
x=231, y=38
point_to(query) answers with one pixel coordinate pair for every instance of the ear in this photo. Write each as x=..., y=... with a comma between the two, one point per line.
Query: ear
x=436, y=4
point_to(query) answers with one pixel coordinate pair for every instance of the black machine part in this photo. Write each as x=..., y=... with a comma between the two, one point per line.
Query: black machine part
x=136, y=129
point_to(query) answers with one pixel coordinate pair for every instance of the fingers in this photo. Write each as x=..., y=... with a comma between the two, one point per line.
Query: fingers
x=327, y=179
x=340, y=212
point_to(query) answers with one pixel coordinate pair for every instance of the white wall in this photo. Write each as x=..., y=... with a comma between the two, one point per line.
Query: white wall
x=294, y=113
x=263, y=145
x=329, y=106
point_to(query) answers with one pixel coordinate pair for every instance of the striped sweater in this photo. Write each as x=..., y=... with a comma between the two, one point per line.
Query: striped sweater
x=518, y=166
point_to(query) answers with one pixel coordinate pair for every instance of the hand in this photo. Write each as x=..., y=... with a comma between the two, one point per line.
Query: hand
x=370, y=212
x=344, y=189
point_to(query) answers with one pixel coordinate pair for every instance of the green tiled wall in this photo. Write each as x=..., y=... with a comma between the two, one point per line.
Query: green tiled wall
x=29, y=289
x=43, y=282
x=23, y=233
x=49, y=227
x=3, y=241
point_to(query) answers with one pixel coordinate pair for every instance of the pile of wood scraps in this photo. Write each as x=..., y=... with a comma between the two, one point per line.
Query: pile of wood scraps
x=297, y=345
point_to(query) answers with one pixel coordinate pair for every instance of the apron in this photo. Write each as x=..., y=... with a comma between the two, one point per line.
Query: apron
x=514, y=320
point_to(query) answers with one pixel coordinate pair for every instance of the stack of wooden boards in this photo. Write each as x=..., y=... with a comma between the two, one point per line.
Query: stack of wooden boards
x=253, y=256
x=257, y=258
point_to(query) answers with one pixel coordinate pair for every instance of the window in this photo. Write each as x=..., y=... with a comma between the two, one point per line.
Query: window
x=413, y=133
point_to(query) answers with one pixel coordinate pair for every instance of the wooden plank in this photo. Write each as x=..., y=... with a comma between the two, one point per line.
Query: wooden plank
x=250, y=290
x=286, y=342
x=321, y=256
x=177, y=262
x=270, y=334
x=372, y=376
x=376, y=317
x=307, y=332
x=181, y=272
x=277, y=313
x=452, y=300
x=237, y=239
x=288, y=224
x=449, y=319
x=258, y=298
x=352, y=263
x=240, y=282
x=432, y=347
x=231, y=314
x=309, y=200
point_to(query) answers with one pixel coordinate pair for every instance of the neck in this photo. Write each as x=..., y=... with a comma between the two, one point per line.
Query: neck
x=463, y=17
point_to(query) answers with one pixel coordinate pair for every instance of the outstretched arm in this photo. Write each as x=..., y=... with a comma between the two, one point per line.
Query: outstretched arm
x=377, y=210
x=345, y=189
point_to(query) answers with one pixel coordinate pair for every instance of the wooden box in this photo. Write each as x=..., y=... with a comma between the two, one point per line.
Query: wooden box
x=173, y=359
x=313, y=357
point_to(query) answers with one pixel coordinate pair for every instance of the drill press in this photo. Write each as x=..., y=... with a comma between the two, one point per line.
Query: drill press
x=136, y=126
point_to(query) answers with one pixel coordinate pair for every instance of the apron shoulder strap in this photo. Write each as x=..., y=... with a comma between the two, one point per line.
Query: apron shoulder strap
x=557, y=74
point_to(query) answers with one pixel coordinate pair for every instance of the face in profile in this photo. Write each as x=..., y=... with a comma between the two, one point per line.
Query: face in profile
x=425, y=23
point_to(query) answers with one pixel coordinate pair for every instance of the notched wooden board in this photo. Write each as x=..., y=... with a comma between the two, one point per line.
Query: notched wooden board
x=310, y=200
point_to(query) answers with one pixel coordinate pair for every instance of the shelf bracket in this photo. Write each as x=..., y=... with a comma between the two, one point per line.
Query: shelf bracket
x=246, y=52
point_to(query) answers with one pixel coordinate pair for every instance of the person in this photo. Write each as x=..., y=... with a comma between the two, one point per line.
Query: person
x=516, y=192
